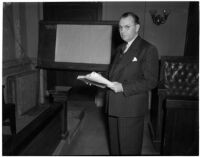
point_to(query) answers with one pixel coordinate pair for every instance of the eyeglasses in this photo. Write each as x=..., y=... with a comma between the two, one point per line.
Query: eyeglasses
x=126, y=27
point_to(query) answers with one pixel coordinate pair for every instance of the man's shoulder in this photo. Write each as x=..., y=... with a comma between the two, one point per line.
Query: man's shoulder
x=148, y=47
x=147, y=43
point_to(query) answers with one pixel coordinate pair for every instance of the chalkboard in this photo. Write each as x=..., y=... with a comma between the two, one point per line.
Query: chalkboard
x=76, y=46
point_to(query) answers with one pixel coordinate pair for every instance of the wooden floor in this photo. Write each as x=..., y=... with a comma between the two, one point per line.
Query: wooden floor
x=92, y=137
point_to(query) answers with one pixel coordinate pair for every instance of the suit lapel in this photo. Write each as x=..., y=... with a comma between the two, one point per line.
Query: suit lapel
x=116, y=59
x=122, y=62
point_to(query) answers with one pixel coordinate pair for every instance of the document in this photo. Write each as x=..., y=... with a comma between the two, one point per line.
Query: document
x=95, y=79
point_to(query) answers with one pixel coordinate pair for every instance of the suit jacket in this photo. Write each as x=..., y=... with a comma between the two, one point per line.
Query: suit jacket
x=137, y=70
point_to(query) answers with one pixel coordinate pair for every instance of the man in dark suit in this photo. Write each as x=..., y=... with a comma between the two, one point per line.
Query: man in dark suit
x=134, y=72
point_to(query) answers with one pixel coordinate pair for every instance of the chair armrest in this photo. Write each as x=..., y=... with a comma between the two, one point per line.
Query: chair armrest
x=182, y=102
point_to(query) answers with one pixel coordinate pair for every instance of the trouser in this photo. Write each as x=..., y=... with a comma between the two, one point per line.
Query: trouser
x=125, y=135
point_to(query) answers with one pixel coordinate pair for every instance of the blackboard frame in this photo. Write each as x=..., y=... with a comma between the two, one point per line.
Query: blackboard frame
x=47, y=41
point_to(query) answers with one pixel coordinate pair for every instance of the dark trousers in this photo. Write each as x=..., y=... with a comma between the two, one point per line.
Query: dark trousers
x=125, y=135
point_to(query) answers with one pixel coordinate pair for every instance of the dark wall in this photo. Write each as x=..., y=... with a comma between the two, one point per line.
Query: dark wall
x=72, y=11
x=192, y=36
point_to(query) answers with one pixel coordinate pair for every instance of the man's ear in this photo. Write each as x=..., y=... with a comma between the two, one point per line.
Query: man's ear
x=137, y=27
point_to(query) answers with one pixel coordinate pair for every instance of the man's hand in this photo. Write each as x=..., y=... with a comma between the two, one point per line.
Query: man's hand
x=116, y=87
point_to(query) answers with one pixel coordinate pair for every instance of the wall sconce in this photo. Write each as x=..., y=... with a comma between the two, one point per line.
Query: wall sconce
x=157, y=18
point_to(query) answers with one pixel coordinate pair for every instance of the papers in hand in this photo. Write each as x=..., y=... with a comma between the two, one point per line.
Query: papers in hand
x=95, y=79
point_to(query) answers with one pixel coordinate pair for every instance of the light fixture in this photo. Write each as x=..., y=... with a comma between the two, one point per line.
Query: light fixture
x=157, y=18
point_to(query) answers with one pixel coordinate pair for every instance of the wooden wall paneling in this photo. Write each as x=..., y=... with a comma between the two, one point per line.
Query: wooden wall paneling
x=23, y=90
x=180, y=129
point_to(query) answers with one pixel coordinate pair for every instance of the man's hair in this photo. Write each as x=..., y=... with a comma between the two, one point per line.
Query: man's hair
x=133, y=15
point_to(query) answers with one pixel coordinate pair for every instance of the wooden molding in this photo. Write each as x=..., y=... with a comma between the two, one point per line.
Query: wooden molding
x=13, y=67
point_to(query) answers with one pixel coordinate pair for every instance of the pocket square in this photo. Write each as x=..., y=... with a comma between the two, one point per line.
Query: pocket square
x=134, y=59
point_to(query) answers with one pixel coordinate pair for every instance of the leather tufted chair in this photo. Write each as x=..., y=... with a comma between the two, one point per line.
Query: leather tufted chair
x=179, y=76
x=177, y=90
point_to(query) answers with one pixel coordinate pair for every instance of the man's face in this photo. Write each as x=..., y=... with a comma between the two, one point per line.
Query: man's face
x=128, y=28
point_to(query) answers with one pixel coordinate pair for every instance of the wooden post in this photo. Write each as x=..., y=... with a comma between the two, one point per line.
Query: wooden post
x=62, y=97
